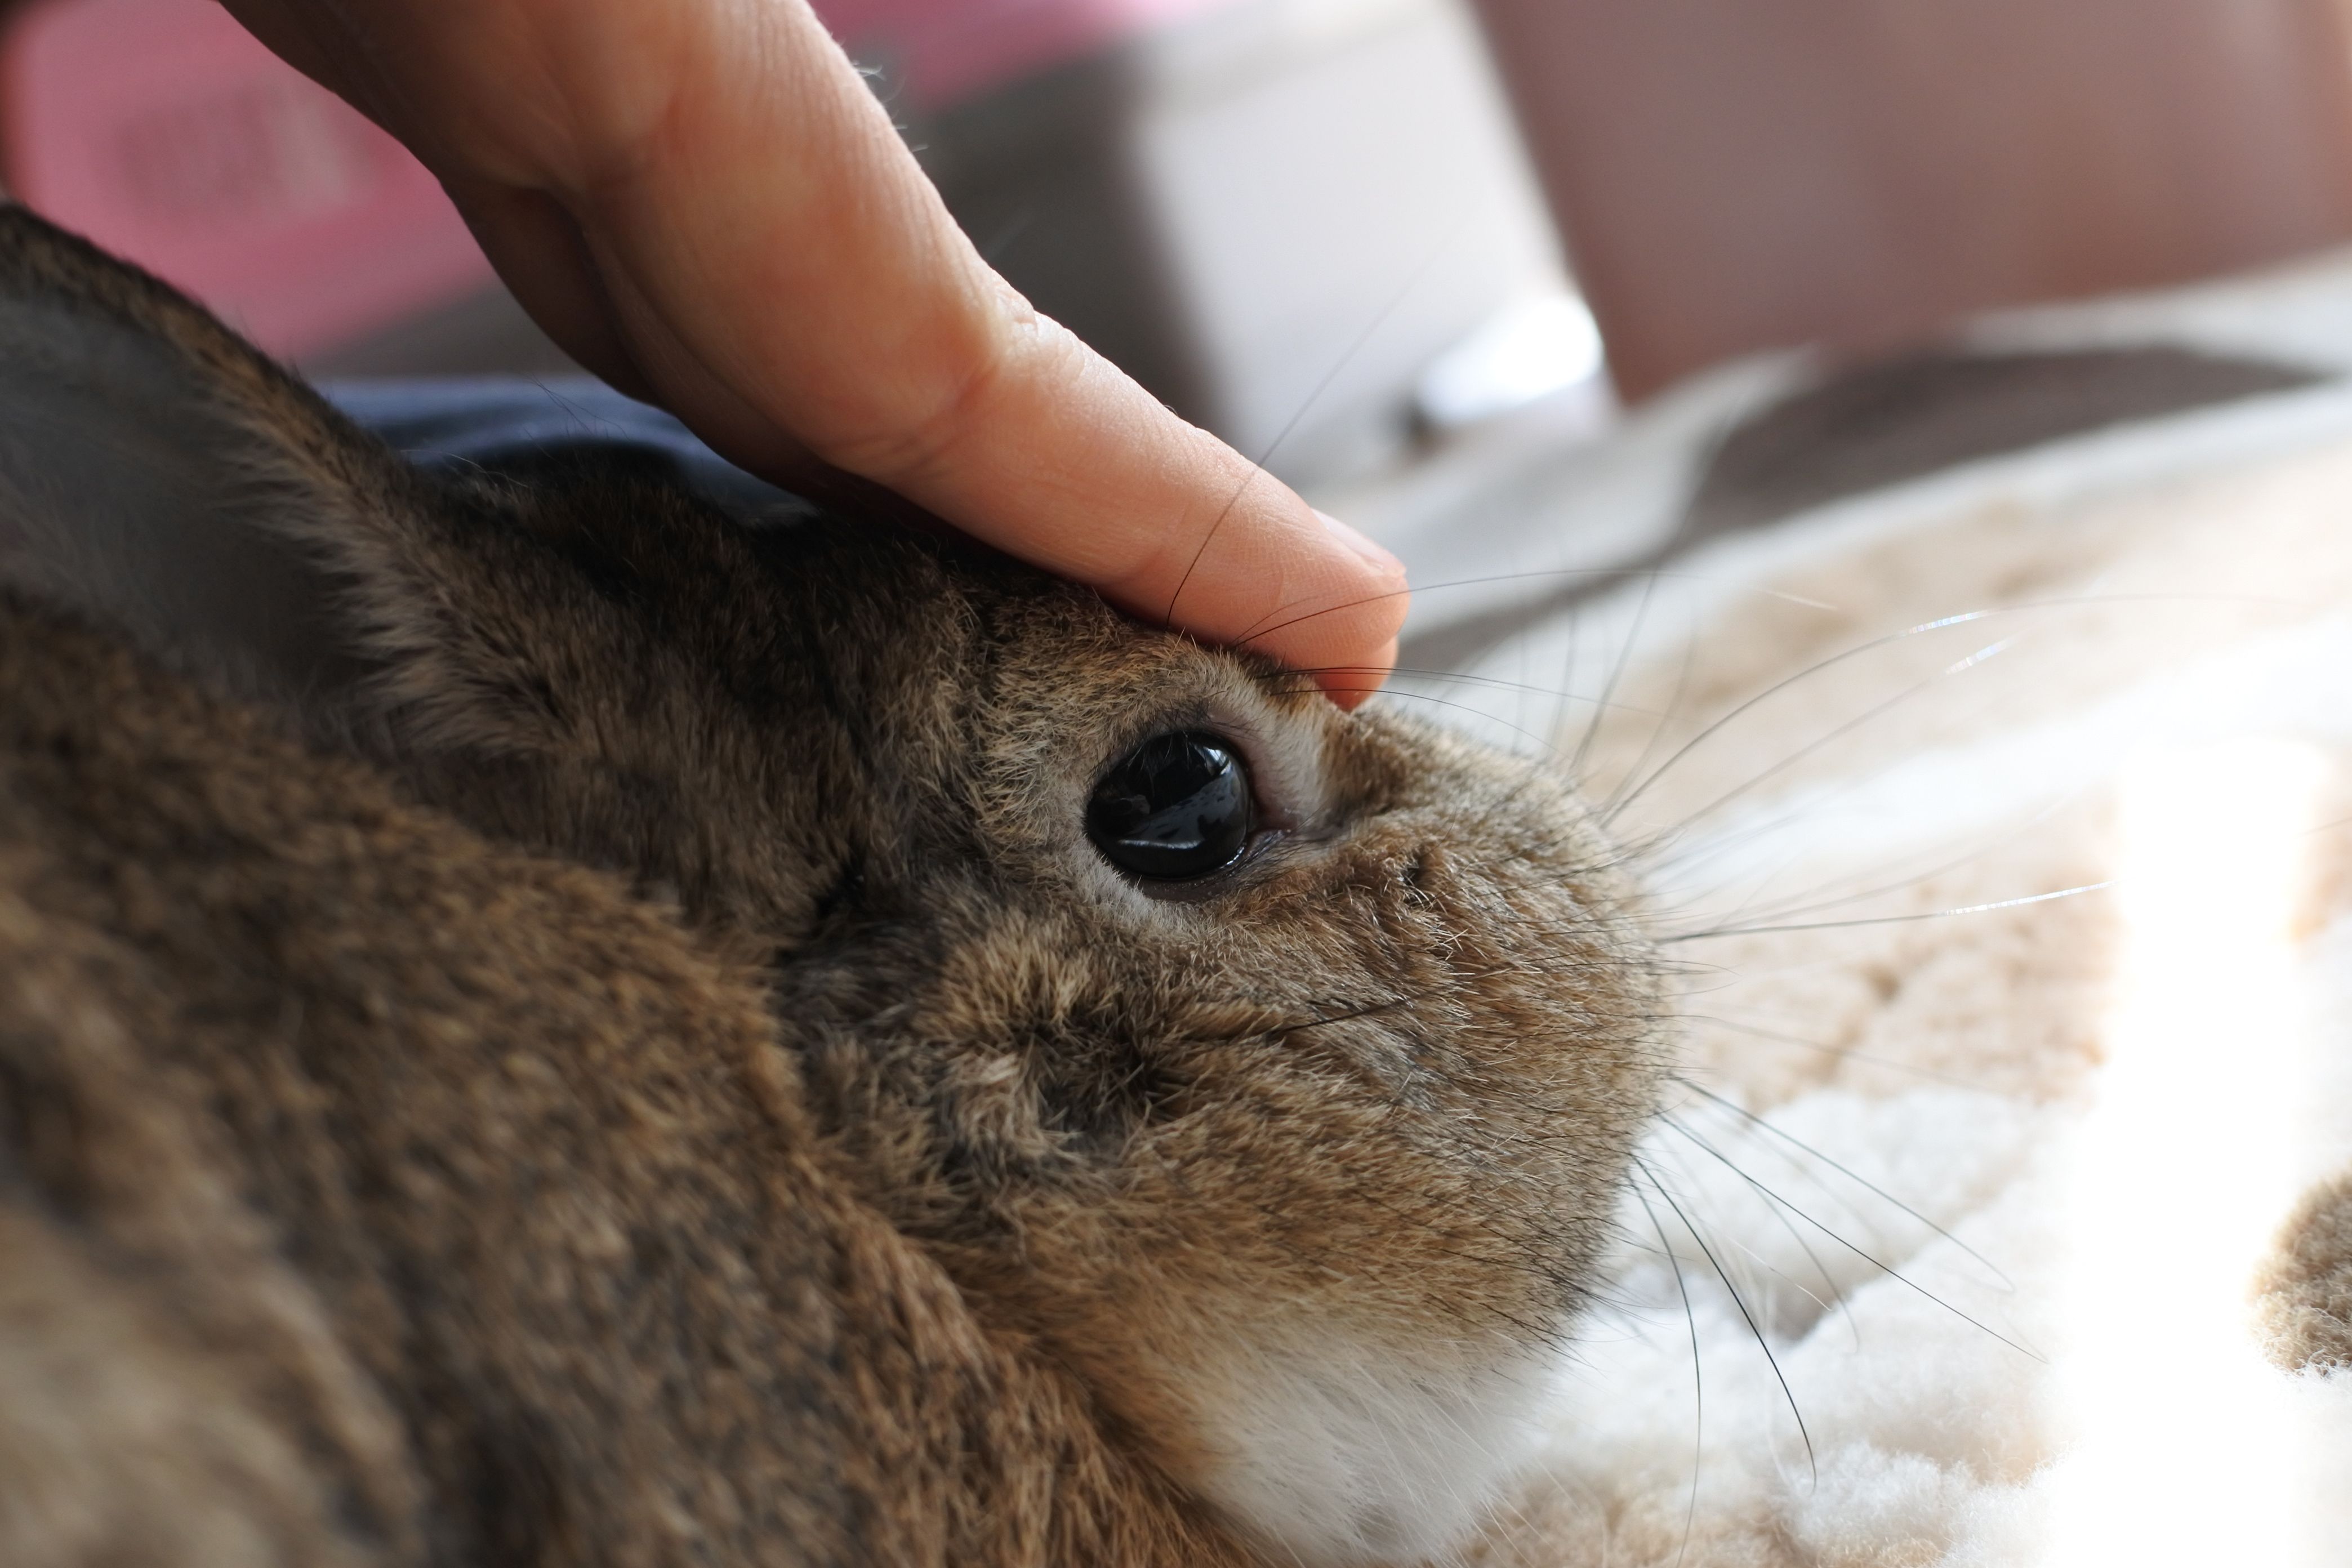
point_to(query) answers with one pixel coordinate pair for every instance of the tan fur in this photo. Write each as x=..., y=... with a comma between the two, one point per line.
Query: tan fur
x=631, y=1057
x=2303, y=1295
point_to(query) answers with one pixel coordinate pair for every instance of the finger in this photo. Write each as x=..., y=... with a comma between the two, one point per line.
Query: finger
x=782, y=274
x=538, y=252
x=1065, y=462
x=890, y=349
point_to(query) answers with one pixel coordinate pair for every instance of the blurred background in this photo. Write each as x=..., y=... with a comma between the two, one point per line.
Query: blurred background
x=1343, y=233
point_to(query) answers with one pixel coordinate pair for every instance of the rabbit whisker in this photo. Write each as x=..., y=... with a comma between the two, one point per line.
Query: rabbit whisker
x=1257, y=469
x=1372, y=688
x=1740, y=1301
x=1786, y=911
x=1762, y=1124
x=1799, y=754
x=1843, y=1053
x=1699, y=1378
x=1489, y=579
x=1668, y=835
x=1450, y=982
x=1836, y=1302
x=1994, y=906
x=1892, y=1273
x=1657, y=735
x=1616, y=673
x=1485, y=683
x=1568, y=663
x=1941, y=623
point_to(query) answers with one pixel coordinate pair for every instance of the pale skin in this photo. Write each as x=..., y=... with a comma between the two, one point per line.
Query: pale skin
x=701, y=202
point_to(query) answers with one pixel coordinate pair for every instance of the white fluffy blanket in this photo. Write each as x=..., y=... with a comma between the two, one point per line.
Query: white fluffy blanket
x=2015, y=954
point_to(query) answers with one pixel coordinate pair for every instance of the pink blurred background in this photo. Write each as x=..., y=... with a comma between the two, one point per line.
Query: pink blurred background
x=163, y=131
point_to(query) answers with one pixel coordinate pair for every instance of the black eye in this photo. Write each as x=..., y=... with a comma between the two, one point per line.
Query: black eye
x=1176, y=806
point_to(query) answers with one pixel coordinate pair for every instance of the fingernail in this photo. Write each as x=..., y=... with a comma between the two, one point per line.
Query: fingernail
x=1380, y=560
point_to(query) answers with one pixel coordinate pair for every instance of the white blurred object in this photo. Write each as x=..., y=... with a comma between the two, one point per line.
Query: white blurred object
x=1273, y=217
x=1533, y=348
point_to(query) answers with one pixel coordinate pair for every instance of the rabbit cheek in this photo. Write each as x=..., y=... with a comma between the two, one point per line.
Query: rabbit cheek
x=1467, y=1152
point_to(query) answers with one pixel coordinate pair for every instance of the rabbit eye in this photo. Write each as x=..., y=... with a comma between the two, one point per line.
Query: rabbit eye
x=1176, y=806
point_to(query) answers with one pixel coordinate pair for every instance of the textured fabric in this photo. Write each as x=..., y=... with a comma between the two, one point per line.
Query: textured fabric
x=1882, y=765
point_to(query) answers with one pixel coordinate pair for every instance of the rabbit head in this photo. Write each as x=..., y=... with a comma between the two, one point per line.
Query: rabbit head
x=1273, y=1068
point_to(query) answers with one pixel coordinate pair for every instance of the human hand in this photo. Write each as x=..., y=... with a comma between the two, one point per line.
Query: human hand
x=701, y=202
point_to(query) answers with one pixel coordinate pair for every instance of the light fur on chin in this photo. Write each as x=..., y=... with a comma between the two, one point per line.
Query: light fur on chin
x=1336, y=1452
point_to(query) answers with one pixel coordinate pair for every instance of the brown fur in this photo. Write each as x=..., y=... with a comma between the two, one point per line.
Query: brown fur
x=627, y=1057
x=2304, y=1296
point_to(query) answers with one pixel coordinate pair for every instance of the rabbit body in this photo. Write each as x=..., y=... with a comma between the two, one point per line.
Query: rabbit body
x=546, y=1022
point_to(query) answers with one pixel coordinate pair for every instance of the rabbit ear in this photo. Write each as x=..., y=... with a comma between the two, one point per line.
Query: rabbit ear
x=161, y=476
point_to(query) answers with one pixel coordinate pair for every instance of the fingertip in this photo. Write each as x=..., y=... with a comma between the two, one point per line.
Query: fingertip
x=1346, y=631
x=1382, y=598
x=1350, y=687
x=1373, y=555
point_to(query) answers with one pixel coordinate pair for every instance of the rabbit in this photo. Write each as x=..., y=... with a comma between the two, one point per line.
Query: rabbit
x=546, y=1020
